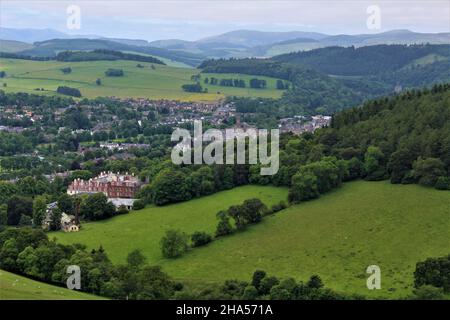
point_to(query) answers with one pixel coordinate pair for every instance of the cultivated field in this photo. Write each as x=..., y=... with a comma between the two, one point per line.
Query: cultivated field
x=15, y=287
x=163, y=82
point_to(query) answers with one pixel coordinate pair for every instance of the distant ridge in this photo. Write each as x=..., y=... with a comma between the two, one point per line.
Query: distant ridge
x=238, y=43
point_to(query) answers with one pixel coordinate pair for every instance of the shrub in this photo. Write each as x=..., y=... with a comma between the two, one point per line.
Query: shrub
x=428, y=170
x=315, y=282
x=278, y=207
x=434, y=272
x=122, y=210
x=267, y=283
x=427, y=292
x=68, y=91
x=250, y=293
x=258, y=275
x=25, y=220
x=442, y=183
x=200, y=239
x=138, y=204
x=66, y=70
x=224, y=226
x=279, y=293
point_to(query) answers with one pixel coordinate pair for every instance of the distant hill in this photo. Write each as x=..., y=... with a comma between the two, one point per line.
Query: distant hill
x=53, y=47
x=13, y=46
x=237, y=44
x=250, y=43
x=389, y=37
x=251, y=38
x=31, y=35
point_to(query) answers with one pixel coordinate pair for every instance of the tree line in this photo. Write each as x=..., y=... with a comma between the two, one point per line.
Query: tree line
x=104, y=54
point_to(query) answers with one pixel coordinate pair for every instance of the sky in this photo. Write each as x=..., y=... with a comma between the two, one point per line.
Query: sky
x=192, y=20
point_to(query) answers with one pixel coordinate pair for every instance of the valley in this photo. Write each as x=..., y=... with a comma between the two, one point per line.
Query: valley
x=127, y=155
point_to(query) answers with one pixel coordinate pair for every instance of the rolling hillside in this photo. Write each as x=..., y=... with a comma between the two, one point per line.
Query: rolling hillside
x=146, y=227
x=237, y=43
x=162, y=82
x=15, y=287
x=251, y=43
x=13, y=46
x=336, y=236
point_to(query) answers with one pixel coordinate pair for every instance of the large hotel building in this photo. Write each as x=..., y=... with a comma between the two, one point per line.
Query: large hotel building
x=113, y=185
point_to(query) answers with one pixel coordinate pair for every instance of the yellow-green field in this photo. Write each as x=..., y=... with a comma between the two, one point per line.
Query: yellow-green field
x=163, y=82
x=15, y=287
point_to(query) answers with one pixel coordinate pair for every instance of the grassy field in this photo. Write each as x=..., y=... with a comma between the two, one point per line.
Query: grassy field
x=336, y=236
x=144, y=229
x=15, y=287
x=164, y=82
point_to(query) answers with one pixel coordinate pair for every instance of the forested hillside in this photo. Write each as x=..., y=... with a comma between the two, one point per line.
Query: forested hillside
x=330, y=79
x=405, y=138
x=363, y=61
x=310, y=90
x=411, y=130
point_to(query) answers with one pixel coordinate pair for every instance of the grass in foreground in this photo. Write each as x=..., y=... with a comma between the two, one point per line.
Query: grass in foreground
x=15, y=287
x=163, y=82
x=337, y=237
x=144, y=229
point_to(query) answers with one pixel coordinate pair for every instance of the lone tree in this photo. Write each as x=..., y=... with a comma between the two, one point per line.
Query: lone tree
x=66, y=70
x=135, y=258
x=174, y=244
